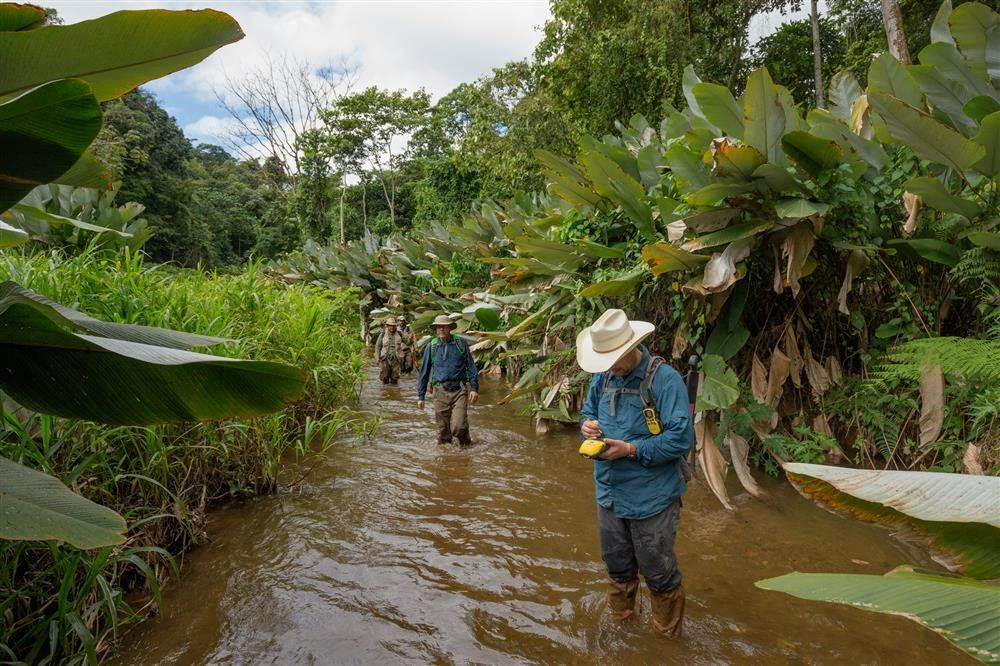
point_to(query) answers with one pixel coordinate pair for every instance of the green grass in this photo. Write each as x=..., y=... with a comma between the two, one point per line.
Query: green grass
x=67, y=605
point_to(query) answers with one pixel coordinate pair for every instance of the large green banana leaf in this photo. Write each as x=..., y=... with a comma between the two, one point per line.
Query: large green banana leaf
x=43, y=133
x=963, y=611
x=117, y=380
x=18, y=17
x=958, y=513
x=113, y=53
x=34, y=506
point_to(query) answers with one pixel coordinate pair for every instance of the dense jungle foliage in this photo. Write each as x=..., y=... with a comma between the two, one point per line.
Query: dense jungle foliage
x=835, y=269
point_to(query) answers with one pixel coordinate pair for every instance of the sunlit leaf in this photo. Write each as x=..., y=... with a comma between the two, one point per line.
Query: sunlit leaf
x=35, y=506
x=965, y=612
x=735, y=160
x=764, y=116
x=720, y=387
x=19, y=16
x=666, y=257
x=797, y=208
x=719, y=107
x=113, y=53
x=843, y=93
x=958, y=513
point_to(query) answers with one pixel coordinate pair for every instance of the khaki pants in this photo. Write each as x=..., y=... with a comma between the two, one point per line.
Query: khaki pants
x=389, y=370
x=450, y=412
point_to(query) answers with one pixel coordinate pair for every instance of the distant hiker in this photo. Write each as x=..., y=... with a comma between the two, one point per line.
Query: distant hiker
x=448, y=367
x=389, y=352
x=641, y=476
x=408, y=361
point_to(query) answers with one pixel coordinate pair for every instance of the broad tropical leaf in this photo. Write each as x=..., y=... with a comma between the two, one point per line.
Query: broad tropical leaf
x=931, y=249
x=113, y=53
x=976, y=29
x=719, y=107
x=933, y=193
x=958, y=513
x=11, y=236
x=764, y=116
x=926, y=136
x=843, y=93
x=720, y=387
x=965, y=612
x=51, y=370
x=36, y=506
x=18, y=17
x=886, y=75
x=728, y=235
x=610, y=288
x=43, y=133
x=989, y=138
x=666, y=257
x=812, y=153
x=796, y=208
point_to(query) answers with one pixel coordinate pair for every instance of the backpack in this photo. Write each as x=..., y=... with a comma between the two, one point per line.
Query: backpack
x=645, y=393
x=463, y=348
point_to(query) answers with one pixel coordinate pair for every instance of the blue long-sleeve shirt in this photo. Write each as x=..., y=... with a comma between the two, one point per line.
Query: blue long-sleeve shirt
x=644, y=486
x=452, y=363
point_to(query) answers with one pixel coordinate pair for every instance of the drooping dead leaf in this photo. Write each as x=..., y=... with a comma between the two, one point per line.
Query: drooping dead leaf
x=758, y=380
x=680, y=342
x=796, y=248
x=971, y=460
x=912, y=203
x=860, y=117
x=777, y=375
x=739, y=449
x=720, y=271
x=836, y=371
x=931, y=404
x=819, y=378
x=856, y=263
x=717, y=301
x=779, y=281
x=553, y=392
x=710, y=460
x=542, y=426
x=794, y=357
x=821, y=425
x=675, y=230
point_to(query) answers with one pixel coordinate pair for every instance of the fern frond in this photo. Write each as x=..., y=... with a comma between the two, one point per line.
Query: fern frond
x=979, y=269
x=970, y=358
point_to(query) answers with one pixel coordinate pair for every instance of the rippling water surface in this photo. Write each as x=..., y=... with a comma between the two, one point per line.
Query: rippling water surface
x=403, y=551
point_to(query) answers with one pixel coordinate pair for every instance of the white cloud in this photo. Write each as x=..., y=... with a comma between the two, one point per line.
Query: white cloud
x=210, y=129
x=436, y=44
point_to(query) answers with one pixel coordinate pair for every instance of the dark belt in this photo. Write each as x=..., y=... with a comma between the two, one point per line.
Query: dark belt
x=451, y=385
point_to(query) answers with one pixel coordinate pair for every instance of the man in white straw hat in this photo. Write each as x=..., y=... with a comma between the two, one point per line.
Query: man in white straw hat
x=449, y=369
x=638, y=405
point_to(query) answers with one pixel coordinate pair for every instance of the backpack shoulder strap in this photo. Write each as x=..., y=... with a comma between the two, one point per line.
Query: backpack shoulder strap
x=646, y=387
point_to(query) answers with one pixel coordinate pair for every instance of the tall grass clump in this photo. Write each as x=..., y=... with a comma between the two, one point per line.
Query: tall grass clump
x=61, y=604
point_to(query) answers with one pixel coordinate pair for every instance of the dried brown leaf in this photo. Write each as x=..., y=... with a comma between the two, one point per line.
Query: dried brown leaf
x=780, y=369
x=739, y=449
x=758, y=380
x=796, y=248
x=912, y=203
x=971, y=460
x=680, y=342
x=836, y=371
x=856, y=263
x=819, y=378
x=710, y=459
x=794, y=357
x=931, y=404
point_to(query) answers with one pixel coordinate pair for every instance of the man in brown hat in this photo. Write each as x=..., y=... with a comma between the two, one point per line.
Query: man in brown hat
x=638, y=406
x=389, y=351
x=408, y=359
x=448, y=368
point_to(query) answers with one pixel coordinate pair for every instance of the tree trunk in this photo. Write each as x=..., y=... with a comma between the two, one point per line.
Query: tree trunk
x=343, y=191
x=892, y=18
x=817, y=54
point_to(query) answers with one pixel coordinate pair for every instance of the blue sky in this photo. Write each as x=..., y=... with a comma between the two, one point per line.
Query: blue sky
x=435, y=44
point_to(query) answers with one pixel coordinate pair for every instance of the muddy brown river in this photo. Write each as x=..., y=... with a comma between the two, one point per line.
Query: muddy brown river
x=401, y=551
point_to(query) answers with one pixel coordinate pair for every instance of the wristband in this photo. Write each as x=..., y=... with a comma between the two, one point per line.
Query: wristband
x=632, y=450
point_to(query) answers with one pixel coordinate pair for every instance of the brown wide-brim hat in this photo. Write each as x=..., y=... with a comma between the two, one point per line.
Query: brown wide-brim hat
x=609, y=338
x=391, y=321
x=443, y=320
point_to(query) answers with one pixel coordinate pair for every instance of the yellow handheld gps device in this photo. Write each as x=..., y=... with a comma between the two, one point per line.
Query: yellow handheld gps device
x=592, y=448
x=652, y=423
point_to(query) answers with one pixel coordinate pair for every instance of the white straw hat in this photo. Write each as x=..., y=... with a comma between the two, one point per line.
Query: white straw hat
x=608, y=339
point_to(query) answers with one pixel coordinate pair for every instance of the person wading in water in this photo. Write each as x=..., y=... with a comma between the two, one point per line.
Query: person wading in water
x=389, y=350
x=447, y=366
x=406, y=366
x=638, y=405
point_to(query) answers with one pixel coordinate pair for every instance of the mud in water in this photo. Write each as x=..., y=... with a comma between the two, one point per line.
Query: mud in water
x=403, y=551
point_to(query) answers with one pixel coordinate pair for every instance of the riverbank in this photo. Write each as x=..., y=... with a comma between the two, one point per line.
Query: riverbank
x=397, y=550
x=163, y=479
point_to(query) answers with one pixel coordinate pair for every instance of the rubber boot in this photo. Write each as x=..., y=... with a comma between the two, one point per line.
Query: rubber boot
x=621, y=599
x=668, y=612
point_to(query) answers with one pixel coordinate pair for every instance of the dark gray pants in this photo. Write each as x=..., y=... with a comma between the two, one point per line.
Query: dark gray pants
x=646, y=546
